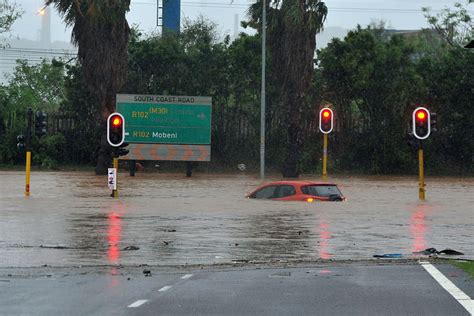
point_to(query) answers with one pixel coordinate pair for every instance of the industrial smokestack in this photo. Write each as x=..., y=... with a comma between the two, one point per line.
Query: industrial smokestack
x=236, y=26
x=45, y=26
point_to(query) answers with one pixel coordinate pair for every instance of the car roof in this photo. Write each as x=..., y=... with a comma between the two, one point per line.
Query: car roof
x=297, y=183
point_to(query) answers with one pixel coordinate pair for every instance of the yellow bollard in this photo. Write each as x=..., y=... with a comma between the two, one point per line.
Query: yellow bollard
x=115, y=192
x=421, y=184
x=28, y=171
x=325, y=156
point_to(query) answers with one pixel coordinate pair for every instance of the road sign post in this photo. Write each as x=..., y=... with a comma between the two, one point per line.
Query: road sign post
x=29, y=114
x=325, y=156
x=421, y=172
x=112, y=180
x=115, y=191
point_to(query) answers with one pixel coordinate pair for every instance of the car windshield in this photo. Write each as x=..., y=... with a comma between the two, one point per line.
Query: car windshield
x=320, y=190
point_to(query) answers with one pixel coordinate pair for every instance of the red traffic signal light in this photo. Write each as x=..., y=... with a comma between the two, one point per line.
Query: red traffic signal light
x=326, y=120
x=421, y=123
x=115, y=129
x=116, y=121
x=420, y=115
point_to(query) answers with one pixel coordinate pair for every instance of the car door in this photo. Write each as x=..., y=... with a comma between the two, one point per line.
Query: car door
x=285, y=192
x=323, y=192
x=267, y=192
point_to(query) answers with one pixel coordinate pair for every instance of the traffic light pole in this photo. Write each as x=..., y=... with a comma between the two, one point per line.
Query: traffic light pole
x=28, y=170
x=325, y=156
x=421, y=120
x=115, y=192
x=421, y=189
x=28, y=151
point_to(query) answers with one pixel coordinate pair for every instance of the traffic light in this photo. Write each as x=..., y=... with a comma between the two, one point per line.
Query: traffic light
x=121, y=151
x=41, y=123
x=421, y=123
x=115, y=129
x=21, y=142
x=413, y=142
x=433, y=121
x=326, y=120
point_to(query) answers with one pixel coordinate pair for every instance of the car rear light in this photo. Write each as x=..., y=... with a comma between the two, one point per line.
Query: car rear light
x=310, y=200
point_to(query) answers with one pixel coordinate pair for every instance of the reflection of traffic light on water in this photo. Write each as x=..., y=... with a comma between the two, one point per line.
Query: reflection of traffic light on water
x=324, y=237
x=114, y=232
x=418, y=228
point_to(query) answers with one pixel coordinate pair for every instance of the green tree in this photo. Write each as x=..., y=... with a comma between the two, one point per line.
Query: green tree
x=196, y=62
x=448, y=76
x=292, y=28
x=9, y=13
x=79, y=108
x=371, y=79
x=101, y=32
x=39, y=86
x=456, y=25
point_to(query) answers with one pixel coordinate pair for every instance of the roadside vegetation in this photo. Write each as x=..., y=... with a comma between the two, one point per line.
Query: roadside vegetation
x=467, y=266
x=373, y=78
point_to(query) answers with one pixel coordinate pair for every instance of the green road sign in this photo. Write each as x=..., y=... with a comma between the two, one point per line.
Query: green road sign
x=159, y=119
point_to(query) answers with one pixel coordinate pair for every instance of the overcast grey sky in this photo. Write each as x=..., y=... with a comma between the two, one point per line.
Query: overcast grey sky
x=400, y=14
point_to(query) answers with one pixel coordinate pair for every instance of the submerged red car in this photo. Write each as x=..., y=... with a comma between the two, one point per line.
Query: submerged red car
x=308, y=191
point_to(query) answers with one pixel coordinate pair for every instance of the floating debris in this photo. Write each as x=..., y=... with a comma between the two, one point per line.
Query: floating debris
x=130, y=248
x=433, y=251
x=389, y=255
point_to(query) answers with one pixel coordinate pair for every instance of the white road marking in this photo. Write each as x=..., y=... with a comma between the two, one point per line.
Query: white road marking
x=165, y=288
x=137, y=303
x=187, y=276
x=449, y=286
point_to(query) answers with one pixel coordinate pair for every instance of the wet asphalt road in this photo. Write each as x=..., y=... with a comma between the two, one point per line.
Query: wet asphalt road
x=90, y=244
x=316, y=290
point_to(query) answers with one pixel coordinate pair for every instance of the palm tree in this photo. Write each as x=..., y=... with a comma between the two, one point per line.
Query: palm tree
x=101, y=32
x=292, y=28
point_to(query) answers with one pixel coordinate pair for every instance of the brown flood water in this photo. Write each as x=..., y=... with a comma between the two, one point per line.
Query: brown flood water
x=70, y=219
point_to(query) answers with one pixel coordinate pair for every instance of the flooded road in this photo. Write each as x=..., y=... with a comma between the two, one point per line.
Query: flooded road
x=167, y=219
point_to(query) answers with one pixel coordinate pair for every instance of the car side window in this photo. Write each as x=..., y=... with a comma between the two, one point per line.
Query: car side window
x=321, y=190
x=305, y=190
x=285, y=190
x=265, y=193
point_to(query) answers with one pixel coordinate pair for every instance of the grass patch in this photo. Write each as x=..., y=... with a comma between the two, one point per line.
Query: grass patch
x=467, y=266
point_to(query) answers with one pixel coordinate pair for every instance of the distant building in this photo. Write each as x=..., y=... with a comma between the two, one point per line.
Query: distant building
x=32, y=51
x=171, y=15
x=402, y=32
